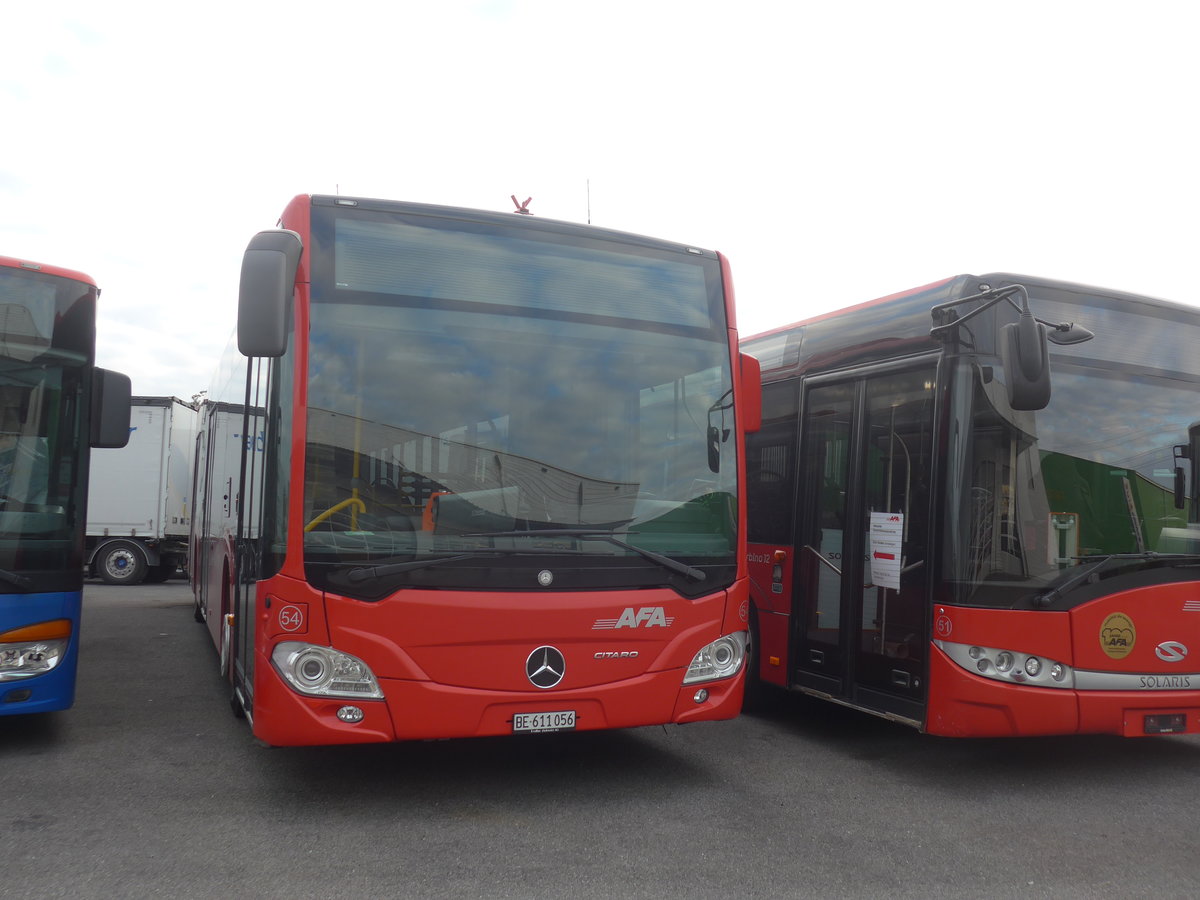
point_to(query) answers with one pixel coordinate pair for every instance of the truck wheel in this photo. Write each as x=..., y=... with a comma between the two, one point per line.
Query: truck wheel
x=122, y=562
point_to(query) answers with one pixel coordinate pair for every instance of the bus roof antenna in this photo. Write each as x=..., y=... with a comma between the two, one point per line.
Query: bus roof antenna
x=522, y=208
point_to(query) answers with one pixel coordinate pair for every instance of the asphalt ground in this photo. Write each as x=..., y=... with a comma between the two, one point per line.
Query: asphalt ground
x=149, y=787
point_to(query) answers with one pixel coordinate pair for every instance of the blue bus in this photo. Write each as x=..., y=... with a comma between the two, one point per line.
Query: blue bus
x=55, y=404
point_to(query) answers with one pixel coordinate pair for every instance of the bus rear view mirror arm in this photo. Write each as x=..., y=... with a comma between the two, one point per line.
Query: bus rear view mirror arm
x=1061, y=333
x=1022, y=344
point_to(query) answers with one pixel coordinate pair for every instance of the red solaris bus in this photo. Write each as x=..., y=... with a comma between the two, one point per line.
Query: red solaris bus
x=971, y=511
x=472, y=473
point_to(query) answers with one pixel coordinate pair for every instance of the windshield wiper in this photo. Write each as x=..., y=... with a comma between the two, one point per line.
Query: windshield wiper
x=362, y=573
x=666, y=562
x=1087, y=573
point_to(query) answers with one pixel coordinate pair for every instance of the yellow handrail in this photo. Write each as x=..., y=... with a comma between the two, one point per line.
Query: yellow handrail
x=362, y=507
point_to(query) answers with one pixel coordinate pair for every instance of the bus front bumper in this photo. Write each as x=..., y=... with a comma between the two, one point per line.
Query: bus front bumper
x=421, y=710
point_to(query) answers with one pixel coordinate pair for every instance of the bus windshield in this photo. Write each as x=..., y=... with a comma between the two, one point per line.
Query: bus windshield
x=1091, y=476
x=475, y=400
x=46, y=328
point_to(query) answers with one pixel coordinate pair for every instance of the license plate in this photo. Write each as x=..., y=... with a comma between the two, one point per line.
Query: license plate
x=563, y=720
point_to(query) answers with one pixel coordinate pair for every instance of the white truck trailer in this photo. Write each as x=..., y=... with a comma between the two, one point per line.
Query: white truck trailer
x=139, y=497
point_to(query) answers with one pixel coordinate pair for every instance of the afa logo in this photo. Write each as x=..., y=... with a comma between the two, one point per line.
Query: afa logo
x=1117, y=635
x=646, y=616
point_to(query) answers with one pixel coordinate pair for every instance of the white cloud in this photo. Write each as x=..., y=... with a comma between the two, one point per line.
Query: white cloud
x=835, y=152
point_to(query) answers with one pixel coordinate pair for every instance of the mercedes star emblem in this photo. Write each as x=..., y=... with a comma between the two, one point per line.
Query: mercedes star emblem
x=545, y=667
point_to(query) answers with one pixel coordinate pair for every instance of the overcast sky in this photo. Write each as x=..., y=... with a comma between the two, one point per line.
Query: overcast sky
x=835, y=151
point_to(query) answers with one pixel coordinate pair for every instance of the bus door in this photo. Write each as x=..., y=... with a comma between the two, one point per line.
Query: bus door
x=203, y=521
x=249, y=497
x=860, y=592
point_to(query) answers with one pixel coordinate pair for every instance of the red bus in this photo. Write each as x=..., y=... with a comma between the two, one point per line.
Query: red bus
x=969, y=509
x=473, y=473
x=55, y=405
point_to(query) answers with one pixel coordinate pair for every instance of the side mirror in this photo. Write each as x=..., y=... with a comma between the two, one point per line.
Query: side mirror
x=111, y=396
x=713, y=441
x=265, y=293
x=1021, y=345
x=1180, y=451
x=751, y=372
x=1026, y=363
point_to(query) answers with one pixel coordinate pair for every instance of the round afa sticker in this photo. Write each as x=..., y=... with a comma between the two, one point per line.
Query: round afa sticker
x=1117, y=635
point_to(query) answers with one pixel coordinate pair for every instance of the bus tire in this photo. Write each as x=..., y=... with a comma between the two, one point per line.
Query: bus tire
x=121, y=562
x=753, y=699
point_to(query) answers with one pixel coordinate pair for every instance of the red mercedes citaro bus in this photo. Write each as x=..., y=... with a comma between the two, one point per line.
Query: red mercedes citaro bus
x=472, y=473
x=973, y=509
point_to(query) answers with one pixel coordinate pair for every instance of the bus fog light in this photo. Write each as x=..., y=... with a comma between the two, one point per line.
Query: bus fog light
x=324, y=672
x=350, y=714
x=1004, y=661
x=701, y=695
x=720, y=659
x=1033, y=666
x=1058, y=671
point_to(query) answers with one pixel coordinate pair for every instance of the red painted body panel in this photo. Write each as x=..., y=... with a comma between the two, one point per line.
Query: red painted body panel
x=773, y=630
x=966, y=705
x=417, y=710
x=1155, y=614
x=772, y=600
x=481, y=640
x=1041, y=632
x=452, y=664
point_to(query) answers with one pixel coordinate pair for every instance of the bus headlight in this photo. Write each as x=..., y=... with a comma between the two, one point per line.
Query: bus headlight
x=720, y=659
x=324, y=672
x=33, y=650
x=1010, y=665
